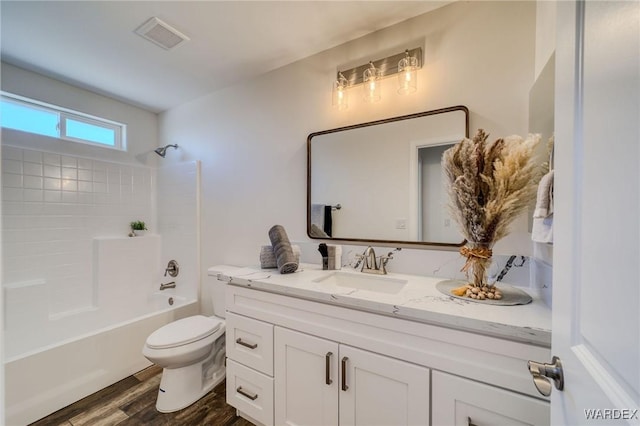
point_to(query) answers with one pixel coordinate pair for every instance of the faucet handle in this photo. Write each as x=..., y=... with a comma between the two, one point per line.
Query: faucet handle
x=172, y=268
x=385, y=259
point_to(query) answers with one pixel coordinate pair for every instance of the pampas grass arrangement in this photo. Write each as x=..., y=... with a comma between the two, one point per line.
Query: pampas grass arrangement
x=489, y=185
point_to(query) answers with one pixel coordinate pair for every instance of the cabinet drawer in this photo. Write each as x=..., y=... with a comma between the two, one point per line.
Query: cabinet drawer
x=250, y=342
x=250, y=392
x=461, y=402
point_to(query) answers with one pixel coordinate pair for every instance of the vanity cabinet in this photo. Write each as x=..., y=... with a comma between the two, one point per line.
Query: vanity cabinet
x=333, y=365
x=461, y=402
x=321, y=382
x=249, y=347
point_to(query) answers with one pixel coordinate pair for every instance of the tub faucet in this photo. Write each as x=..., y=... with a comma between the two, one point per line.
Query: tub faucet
x=172, y=284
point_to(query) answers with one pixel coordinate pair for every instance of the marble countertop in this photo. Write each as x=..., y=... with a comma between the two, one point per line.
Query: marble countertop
x=417, y=300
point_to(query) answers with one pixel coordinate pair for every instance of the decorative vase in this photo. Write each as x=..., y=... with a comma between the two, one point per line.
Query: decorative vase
x=481, y=271
x=139, y=232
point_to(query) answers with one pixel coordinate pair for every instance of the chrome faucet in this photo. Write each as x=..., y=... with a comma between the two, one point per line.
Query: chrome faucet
x=370, y=263
x=172, y=284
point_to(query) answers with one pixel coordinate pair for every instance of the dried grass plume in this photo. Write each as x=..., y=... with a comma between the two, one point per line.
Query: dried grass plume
x=490, y=184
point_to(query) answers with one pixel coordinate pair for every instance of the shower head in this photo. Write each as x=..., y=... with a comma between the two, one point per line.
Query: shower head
x=163, y=151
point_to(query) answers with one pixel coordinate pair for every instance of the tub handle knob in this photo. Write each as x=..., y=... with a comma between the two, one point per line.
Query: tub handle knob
x=172, y=268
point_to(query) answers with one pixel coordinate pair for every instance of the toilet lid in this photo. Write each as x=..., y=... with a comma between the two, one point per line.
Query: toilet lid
x=183, y=332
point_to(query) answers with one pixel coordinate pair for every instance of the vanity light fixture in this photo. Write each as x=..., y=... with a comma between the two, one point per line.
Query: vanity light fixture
x=340, y=95
x=406, y=64
x=407, y=74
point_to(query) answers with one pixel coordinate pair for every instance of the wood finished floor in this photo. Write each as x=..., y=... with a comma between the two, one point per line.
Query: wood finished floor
x=131, y=402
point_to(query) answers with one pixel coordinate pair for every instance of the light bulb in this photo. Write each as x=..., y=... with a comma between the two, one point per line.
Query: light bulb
x=371, y=76
x=407, y=74
x=340, y=97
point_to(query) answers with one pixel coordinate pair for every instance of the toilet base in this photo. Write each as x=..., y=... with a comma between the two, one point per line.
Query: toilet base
x=181, y=387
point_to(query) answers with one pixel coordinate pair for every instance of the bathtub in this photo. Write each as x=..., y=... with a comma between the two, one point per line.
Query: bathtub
x=39, y=382
x=54, y=357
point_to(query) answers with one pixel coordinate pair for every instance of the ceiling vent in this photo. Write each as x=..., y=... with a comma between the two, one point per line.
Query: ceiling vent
x=161, y=33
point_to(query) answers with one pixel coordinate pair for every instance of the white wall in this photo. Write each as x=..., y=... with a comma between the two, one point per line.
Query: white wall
x=178, y=223
x=545, y=33
x=251, y=138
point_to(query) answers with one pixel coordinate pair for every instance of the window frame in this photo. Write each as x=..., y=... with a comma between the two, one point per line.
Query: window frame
x=65, y=114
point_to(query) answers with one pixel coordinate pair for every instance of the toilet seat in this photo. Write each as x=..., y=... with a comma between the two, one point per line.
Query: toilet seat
x=183, y=332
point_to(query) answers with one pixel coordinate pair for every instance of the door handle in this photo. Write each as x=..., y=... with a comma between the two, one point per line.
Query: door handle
x=344, y=374
x=327, y=368
x=543, y=372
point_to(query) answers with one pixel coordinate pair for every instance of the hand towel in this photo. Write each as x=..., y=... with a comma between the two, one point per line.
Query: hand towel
x=268, y=256
x=317, y=215
x=544, y=200
x=285, y=260
x=542, y=229
x=328, y=220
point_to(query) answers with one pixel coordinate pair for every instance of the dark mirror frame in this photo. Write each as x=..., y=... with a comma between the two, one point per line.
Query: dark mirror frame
x=375, y=123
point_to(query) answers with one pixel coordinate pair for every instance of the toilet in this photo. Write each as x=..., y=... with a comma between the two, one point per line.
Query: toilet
x=191, y=352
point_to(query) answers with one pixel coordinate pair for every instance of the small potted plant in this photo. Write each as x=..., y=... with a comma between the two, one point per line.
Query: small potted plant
x=137, y=228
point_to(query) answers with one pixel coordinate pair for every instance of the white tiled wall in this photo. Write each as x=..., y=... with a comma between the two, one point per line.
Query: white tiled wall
x=53, y=206
x=177, y=191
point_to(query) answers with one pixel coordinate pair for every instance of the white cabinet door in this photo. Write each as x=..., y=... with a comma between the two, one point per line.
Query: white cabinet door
x=462, y=402
x=306, y=379
x=596, y=297
x=378, y=390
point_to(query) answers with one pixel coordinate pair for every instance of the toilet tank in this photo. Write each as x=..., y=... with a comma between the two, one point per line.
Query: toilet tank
x=218, y=288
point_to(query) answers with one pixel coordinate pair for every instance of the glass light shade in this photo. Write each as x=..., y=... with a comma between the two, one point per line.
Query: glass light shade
x=340, y=97
x=407, y=75
x=371, y=78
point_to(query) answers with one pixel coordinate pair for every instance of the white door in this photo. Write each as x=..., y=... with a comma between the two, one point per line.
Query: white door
x=596, y=290
x=378, y=390
x=306, y=379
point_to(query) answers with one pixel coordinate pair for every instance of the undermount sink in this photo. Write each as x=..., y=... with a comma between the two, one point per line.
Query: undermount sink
x=379, y=284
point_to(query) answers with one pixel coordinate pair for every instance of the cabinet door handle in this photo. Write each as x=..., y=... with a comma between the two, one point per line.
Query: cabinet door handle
x=327, y=368
x=469, y=422
x=344, y=373
x=248, y=345
x=243, y=392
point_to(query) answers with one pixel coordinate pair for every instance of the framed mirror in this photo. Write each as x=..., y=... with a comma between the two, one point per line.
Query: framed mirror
x=381, y=181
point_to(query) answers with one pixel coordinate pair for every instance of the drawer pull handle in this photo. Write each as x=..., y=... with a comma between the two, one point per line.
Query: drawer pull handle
x=248, y=345
x=327, y=368
x=344, y=373
x=243, y=392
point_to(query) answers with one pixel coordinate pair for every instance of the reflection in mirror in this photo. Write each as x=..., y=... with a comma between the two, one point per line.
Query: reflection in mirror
x=381, y=181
